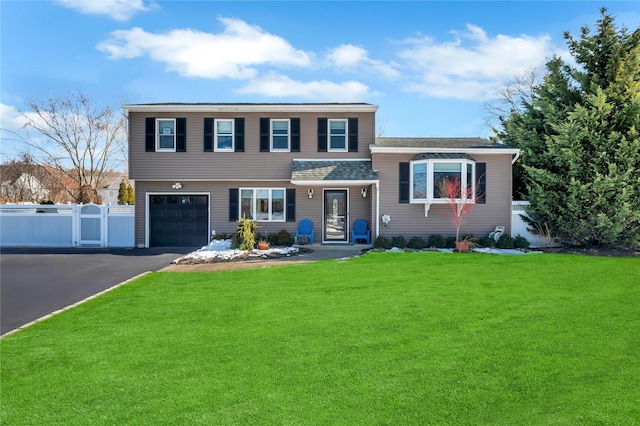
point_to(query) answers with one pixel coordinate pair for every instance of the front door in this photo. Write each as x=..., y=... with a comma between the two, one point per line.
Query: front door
x=335, y=216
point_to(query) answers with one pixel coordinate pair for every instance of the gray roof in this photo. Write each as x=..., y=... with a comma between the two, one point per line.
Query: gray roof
x=461, y=143
x=442, y=156
x=338, y=170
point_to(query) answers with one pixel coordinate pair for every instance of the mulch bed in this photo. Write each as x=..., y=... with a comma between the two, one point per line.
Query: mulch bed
x=593, y=251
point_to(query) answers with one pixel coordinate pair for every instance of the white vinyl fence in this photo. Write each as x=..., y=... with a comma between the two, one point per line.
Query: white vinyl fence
x=520, y=227
x=66, y=225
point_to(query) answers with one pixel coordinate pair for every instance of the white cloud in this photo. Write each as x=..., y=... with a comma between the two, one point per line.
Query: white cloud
x=120, y=10
x=473, y=65
x=354, y=58
x=234, y=53
x=274, y=85
x=10, y=117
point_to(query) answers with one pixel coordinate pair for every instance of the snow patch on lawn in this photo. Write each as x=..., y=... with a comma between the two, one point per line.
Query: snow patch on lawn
x=221, y=249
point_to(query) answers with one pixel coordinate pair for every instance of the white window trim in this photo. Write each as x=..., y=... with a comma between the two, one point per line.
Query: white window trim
x=430, y=178
x=254, y=214
x=288, y=148
x=346, y=135
x=158, y=134
x=215, y=135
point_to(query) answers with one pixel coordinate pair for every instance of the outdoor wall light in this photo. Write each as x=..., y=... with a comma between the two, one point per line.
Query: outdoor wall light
x=176, y=185
x=364, y=192
x=310, y=192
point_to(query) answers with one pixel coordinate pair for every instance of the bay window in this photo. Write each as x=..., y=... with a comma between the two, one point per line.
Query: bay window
x=429, y=172
x=443, y=172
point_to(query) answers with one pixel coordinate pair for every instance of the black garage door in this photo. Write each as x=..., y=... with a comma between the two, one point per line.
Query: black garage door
x=178, y=220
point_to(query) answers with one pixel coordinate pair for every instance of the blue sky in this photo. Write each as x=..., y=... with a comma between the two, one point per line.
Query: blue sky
x=430, y=66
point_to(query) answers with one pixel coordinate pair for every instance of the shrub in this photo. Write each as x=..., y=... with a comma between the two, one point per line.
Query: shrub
x=398, y=241
x=450, y=242
x=521, y=242
x=436, y=240
x=246, y=233
x=382, y=242
x=284, y=238
x=505, y=242
x=235, y=241
x=487, y=242
x=416, y=243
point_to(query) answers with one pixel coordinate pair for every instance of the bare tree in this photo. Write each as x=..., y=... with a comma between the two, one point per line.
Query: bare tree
x=381, y=126
x=512, y=96
x=74, y=136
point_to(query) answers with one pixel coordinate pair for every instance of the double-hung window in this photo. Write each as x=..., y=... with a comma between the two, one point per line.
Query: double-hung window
x=263, y=204
x=338, y=131
x=429, y=176
x=280, y=132
x=166, y=134
x=223, y=139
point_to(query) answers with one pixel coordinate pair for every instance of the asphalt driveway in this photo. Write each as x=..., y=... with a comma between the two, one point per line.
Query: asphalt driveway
x=37, y=281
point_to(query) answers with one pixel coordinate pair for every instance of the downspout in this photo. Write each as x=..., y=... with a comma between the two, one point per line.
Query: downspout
x=515, y=158
x=377, y=210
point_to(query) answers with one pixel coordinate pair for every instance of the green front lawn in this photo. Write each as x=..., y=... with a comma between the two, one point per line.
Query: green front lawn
x=386, y=338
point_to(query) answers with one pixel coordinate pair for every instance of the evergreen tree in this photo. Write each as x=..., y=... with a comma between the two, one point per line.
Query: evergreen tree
x=579, y=139
x=123, y=197
x=131, y=196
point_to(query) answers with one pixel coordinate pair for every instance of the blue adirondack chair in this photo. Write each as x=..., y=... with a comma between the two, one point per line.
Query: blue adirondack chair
x=305, y=229
x=360, y=231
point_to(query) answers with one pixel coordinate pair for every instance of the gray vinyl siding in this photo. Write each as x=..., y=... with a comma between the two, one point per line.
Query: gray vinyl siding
x=252, y=164
x=408, y=220
x=218, y=193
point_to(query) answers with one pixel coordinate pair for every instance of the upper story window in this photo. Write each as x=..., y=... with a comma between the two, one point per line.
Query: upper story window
x=224, y=135
x=280, y=135
x=165, y=134
x=338, y=131
x=428, y=176
x=263, y=204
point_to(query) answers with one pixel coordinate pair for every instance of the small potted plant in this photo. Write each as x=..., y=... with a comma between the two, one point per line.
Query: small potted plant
x=460, y=202
x=263, y=244
x=466, y=244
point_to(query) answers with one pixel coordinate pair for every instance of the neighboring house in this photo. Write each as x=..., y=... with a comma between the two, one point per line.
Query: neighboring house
x=25, y=188
x=200, y=167
x=111, y=187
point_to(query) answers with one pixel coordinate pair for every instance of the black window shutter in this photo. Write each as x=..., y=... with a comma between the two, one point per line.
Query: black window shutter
x=234, y=200
x=481, y=183
x=295, y=135
x=239, y=134
x=353, y=135
x=404, y=182
x=181, y=135
x=150, y=135
x=264, y=134
x=208, y=134
x=291, y=205
x=322, y=135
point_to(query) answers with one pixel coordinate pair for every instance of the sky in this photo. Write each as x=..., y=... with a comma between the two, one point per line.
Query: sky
x=430, y=66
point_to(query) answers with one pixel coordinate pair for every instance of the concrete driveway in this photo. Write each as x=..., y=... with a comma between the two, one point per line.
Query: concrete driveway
x=38, y=281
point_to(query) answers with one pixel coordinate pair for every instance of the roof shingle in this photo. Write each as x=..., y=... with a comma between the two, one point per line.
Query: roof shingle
x=338, y=170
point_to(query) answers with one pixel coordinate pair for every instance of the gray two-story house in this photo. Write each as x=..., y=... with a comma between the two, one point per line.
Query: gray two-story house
x=198, y=168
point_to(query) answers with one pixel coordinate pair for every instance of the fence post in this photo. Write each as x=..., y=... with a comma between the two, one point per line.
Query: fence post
x=75, y=215
x=104, y=218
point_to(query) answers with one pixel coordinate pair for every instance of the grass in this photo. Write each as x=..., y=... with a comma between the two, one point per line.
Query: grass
x=386, y=338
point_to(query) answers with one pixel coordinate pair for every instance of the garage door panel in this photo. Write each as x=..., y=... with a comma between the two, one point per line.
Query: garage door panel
x=179, y=220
